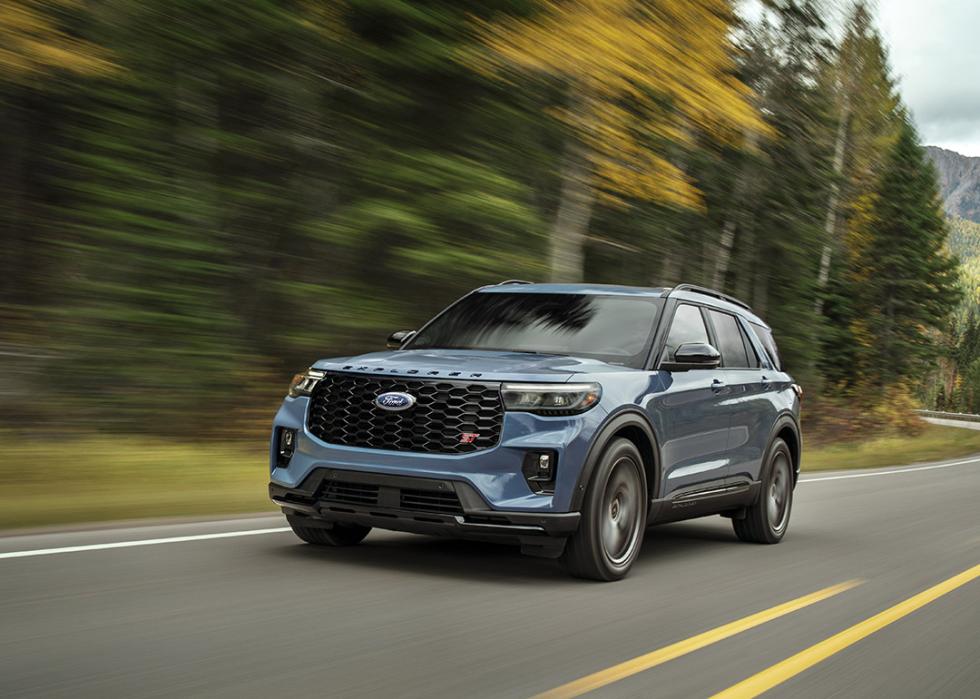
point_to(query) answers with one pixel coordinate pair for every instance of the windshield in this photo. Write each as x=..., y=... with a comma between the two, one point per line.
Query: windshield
x=614, y=329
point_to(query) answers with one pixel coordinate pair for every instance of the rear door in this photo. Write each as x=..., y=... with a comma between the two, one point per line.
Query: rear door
x=695, y=423
x=752, y=413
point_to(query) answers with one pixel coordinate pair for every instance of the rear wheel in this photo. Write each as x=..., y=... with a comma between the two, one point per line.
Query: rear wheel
x=767, y=520
x=339, y=535
x=614, y=517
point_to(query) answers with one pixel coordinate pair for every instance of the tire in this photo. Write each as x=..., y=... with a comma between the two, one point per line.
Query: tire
x=766, y=521
x=338, y=535
x=614, y=515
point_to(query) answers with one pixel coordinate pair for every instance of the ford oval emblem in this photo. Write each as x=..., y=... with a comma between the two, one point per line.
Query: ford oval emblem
x=395, y=401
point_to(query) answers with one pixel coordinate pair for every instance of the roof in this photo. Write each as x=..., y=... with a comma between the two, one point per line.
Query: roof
x=595, y=289
x=719, y=303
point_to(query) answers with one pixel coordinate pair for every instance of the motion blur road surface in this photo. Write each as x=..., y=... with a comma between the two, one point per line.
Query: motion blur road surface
x=262, y=614
x=953, y=423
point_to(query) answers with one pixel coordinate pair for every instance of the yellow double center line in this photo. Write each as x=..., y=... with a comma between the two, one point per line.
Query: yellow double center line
x=782, y=671
x=792, y=666
x=676, y=650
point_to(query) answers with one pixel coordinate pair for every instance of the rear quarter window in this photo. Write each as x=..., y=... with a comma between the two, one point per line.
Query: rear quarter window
x=729, y=338
x=769, y=343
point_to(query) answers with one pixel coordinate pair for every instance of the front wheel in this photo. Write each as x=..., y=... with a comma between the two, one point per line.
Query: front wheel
x=614, y=515
x=766, y=521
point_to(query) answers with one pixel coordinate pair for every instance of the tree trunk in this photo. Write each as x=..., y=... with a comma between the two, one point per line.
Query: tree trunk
x=14, y=165
x=572, y=221
x=671, y=263
x=725, y=244
x=748, y=263
x=760, y=294
x=727, y=240
x=830, y=224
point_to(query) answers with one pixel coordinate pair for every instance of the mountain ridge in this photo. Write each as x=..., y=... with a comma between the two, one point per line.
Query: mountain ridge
x=959, y=182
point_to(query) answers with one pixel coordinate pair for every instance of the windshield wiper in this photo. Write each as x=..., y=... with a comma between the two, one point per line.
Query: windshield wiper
x=493, y=349
x=517, y=351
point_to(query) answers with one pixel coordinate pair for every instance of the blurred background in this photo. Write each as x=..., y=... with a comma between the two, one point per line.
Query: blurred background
x=198, y=199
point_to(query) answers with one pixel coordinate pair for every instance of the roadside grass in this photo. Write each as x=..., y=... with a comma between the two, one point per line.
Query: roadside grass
x=100, y=478
x=933, y=443
x=104, y=478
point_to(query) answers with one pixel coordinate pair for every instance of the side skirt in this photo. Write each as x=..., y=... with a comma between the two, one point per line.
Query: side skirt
x=729, y=500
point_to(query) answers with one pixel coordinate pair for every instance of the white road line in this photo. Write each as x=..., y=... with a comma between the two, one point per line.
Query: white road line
x=141, y=542
x=276, y=530
x=889, y=473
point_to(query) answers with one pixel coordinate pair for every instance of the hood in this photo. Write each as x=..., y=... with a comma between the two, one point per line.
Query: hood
x=470, y=364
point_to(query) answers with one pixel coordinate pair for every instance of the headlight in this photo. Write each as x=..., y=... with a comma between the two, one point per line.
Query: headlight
x=551, y=398
x=303, y=384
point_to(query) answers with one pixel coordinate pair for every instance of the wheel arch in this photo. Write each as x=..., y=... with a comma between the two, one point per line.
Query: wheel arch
x=787, y=428
x=635, y=427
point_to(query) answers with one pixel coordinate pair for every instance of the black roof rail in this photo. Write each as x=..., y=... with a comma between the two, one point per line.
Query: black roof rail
x=710, y=292
x=513, y=281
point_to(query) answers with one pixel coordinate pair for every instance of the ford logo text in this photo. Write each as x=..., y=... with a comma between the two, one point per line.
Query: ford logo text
x=395, y=401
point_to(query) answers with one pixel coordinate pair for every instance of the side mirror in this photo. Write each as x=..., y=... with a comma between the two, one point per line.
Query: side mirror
x=693, y=355
x=399, y=338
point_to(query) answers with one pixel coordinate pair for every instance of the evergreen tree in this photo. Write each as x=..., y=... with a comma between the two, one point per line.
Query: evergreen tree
x=444, y=172
x=178, y=205
x=905, y=283
x=869, y=117
x=777, y=201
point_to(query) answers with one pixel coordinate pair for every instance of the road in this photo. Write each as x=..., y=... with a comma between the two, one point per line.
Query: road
x=222, y=613
x=964, y=424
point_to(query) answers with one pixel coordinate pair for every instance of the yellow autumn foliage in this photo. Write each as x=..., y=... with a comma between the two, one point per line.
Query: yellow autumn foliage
x=31, y=43
x=325, y=18
x=642, y=76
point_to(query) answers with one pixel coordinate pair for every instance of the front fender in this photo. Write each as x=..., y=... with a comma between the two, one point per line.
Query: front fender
x=638, y=424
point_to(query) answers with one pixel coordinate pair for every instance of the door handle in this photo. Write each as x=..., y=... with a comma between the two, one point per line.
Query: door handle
x=717, y=385
x=766, y=383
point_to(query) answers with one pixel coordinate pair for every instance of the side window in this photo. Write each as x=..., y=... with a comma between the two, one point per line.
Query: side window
x=765, y=337
x=687, y=326
x=729, y=339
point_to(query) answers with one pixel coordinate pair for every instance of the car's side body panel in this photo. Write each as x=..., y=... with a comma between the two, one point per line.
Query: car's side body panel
x=695, y=417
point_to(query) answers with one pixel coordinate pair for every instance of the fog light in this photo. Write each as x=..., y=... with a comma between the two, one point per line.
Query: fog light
x=287, y=445
x=544, y=467
x=539, y=470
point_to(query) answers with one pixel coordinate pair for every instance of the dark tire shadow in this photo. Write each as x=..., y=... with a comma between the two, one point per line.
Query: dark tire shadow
x=480, y=561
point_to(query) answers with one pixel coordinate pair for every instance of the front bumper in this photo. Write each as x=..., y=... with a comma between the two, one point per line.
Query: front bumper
x=418, y=505
x=495, y=473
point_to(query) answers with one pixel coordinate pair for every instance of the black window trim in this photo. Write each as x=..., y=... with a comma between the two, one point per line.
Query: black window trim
x=750, y=350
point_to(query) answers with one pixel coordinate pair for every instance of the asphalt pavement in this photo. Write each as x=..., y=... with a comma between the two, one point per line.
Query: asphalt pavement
x=964, y=424
x=241, y=608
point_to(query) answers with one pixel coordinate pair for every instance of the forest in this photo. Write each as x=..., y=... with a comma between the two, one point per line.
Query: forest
x=199, y=199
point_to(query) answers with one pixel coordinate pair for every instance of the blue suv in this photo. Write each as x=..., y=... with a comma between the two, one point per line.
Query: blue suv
x=564, y=418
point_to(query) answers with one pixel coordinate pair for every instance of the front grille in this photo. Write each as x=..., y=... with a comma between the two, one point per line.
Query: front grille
x=430, y=501
x=342, y=411
x=349, y=493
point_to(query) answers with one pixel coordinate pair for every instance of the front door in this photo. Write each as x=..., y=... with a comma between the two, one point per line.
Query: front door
x=695, y=418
